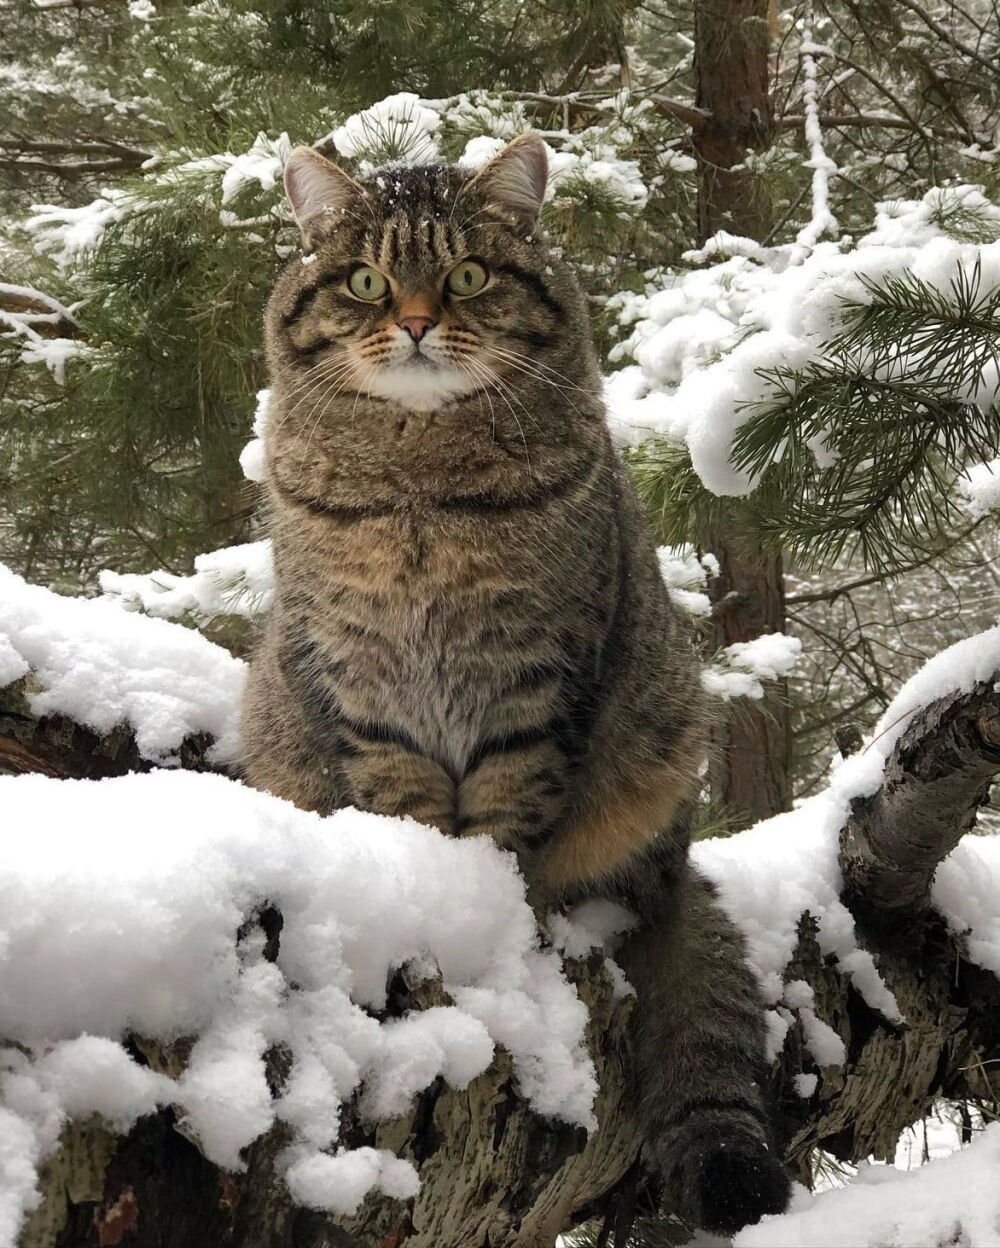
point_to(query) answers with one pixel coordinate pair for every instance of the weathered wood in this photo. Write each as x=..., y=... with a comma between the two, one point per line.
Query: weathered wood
x=494, y=1173
x=936, y=781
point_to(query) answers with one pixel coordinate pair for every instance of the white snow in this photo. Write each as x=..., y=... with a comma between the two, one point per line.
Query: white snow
x=235, y=580
x=104, y=667
x=340, y=1183
x=178, y=860
x=979, y=487
x=261, y=163
x=966, y=890
x=739, y=670
x=400, y=127
x=54, y=353
x=772, y=874
x=252, y=456
x=952, y=1200
x=686, y=575
x=480, y=150
x=695, y=347
x=65, y=233
x=822, y=221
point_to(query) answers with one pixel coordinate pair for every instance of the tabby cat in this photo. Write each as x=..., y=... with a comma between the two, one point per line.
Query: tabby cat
x=470, y=625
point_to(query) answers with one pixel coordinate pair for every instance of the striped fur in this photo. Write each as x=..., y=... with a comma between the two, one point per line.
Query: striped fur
x=470, y=626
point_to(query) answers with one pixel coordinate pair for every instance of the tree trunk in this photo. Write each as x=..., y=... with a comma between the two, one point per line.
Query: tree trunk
x=492, y=1172
x=750, y=769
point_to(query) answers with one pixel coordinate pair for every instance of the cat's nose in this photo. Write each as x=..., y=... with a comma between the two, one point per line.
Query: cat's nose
x=416, y=326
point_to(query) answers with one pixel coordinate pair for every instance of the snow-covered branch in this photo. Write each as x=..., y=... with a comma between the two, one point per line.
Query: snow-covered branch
x=936, y=780
x=340, y=1013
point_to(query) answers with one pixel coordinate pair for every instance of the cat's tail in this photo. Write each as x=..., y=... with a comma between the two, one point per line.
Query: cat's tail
x=698, y=1040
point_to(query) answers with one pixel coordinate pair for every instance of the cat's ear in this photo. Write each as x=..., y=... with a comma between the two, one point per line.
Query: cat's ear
x=516, y=178
x=319, y=191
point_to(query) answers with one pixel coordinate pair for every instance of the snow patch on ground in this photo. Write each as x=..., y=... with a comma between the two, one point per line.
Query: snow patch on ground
x=178, y=860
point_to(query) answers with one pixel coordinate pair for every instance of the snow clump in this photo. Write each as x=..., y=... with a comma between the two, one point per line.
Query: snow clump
x=180, y=859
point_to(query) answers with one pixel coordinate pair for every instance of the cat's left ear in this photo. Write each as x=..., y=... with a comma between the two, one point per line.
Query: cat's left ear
x=516, y=178
x=319, y=191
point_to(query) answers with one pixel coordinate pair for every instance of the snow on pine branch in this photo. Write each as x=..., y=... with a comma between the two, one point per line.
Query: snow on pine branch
x=979, y=487
x=402, y=129
x=739, y=670
x=119, y=914
x=236, y=580
x=698, y=349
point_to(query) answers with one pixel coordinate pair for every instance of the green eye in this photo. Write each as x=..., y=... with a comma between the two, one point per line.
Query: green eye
x=368, y=284
x=467, y=278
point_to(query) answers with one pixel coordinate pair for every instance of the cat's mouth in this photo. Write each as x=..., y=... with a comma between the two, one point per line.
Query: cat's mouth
x=420, y=381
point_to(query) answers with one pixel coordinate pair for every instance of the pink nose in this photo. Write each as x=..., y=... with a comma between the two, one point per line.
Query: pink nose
x=416, y=326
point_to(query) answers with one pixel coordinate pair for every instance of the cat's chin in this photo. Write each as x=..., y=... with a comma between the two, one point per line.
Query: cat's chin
x=420, y=387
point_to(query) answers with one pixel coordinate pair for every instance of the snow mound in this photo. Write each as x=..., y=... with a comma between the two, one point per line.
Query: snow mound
x=894, y=1209
x=120, y=913
x=104, y=667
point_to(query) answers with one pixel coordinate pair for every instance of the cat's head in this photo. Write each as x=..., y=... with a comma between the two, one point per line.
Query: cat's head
x=424, y=284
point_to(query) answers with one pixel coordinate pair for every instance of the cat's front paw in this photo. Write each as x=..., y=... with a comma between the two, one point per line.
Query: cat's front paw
x=733, y=1181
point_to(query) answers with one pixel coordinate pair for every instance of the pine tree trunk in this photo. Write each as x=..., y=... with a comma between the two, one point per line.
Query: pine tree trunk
x=750, y=770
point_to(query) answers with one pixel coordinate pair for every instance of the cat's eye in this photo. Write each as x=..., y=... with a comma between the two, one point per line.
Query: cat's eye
x=467, y=278
x=368, y=284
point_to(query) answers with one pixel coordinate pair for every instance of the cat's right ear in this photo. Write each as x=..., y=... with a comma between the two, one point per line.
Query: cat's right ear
x=319, y=191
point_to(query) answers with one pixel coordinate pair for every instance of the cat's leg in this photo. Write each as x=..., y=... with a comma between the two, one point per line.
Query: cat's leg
x=698, y=1040
x=393, y=778
x=515, y=791
x=309, y=754
x=279, y=752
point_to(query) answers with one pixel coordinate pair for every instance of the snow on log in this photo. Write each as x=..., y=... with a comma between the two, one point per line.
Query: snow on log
x=278, y=1028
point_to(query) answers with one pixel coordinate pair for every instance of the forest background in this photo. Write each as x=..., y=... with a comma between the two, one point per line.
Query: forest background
x=787, y=221
x=141, y=225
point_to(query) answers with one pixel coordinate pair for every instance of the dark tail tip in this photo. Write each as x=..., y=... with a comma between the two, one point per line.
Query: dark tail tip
x=733, y=1181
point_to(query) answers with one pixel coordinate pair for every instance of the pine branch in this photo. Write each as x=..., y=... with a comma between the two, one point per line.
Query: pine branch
x=944, y=34
x=894, y=402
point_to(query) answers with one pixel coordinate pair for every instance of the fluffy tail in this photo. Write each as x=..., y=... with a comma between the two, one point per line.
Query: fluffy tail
x=699, y=1044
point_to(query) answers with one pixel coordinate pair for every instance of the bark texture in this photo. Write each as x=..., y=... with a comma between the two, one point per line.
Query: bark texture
x=750, y=768
x=493, y=1174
